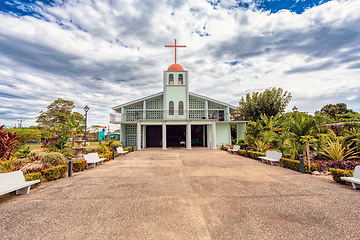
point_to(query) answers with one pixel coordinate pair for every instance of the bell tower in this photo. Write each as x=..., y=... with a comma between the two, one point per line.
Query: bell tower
x=176, y=91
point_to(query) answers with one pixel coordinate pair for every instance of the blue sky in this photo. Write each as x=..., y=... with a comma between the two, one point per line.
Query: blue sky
x=105, y=53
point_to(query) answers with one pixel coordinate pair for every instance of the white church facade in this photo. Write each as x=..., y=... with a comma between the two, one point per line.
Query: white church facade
x=176, y=117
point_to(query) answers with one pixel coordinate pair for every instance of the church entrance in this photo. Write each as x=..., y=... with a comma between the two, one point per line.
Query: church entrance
x=198, y=135
x=153, y=136
x=175, y=134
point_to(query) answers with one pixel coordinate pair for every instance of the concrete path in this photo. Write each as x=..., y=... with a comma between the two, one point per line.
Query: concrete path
x=182, y=194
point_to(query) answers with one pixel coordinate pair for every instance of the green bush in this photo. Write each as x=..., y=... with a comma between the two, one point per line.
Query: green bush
x=79, y=166
x=54, y=173
x=295, y=165
x=255, y=155
x=23, y=152
x=52, y=159
x=338, y=173
x=32, y=177
x=129, y=149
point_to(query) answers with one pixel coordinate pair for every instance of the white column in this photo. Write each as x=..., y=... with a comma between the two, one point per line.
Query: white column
x=144, y=136
x=138, y=135
x=188, y=135
x=213, y=130
x=164, y=135
x=206, y=109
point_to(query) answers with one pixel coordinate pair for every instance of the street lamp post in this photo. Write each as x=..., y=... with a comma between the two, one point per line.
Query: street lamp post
x=295, y=109
x=86, y=109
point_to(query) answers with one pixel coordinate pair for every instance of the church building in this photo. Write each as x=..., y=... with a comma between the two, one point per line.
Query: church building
x=176, y=117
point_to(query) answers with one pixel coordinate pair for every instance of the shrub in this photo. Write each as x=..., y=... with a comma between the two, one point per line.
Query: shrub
x=79, y=166
x=52, y=159
x=241, y=152
x=54, y=173
x=129, y=149
x=7, y=166
x=295, y=165
x=255, y=155
x=33, y=176
x=31, y=170
x=23, y=152
x=338, y=173
x=346, y=165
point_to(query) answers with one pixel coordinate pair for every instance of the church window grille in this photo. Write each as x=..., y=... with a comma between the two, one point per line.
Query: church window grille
x=130, y=135
x=171, y=79
x=171, y=108
x=181, y=108
x=180, y=79
x=195, y=103
x=212, y=105
x=155, y=103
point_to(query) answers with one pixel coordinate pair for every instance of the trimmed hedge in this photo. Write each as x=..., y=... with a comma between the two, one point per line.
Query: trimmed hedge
x=295, y=165
x=32, y=177
x=129, y=149
x=54, y=173
x=79, y=166
x=338, y=173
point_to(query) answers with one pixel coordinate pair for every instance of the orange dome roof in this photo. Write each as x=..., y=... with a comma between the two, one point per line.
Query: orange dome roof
x=175, y=67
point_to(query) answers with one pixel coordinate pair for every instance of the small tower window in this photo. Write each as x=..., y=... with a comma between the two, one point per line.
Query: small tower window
x=171, y=79
x=181, y=108
x=181, y=79
x=171, y=108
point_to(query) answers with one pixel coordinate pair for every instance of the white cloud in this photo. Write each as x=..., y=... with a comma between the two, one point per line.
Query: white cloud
x=106, y=53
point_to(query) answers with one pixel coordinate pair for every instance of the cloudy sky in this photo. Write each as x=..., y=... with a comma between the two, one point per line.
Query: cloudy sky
x=107, y=52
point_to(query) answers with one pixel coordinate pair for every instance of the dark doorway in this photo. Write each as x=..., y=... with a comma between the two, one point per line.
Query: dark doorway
x=153, y=136
x=197, y=135
x=175, y=134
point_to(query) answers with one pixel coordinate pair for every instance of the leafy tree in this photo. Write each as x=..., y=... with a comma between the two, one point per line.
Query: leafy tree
x=57, y=112
x=270, y=102
x=332, y=110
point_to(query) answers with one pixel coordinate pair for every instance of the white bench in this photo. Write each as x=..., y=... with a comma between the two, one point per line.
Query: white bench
x=355, y=180
x=234, y=149
x=271, y=156
x=15, y=181
x=121, y=151
x=93, y=159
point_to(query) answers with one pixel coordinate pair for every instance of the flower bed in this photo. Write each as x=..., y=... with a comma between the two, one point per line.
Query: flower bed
x=33, y=176
x=54, y=173
x=79, y=166
x=338, y=173
x=295, y=165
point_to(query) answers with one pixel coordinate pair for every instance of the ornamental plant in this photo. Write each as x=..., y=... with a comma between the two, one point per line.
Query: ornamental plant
x=8, y=144
x=52, y=159
x=336, y=151
x=54, y=173
x=79, y=166
x=338, y=173
x=33, y=176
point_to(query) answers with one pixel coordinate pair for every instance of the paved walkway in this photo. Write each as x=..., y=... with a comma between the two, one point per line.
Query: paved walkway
x=182, y=194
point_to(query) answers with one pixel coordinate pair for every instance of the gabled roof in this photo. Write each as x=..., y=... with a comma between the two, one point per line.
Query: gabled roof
x=232, y=107
x=161, y=93
x=137, y=100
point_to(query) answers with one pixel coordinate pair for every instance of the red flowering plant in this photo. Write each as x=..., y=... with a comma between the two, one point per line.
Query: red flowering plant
x=54, y=173
x=338, y=173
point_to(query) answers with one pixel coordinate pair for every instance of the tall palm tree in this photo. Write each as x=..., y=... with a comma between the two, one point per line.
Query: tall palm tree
x=302, y=128
x=254, y=133
x=74, y=126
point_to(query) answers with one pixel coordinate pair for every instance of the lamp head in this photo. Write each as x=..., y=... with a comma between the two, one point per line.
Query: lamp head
x=86, y=108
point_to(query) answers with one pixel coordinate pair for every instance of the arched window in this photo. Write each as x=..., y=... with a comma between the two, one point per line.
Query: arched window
x=171, y=79
x=171, y=108
x=181, y=108
x=180, y=79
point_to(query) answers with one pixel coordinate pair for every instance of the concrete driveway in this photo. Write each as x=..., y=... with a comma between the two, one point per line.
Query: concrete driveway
x=183, y=194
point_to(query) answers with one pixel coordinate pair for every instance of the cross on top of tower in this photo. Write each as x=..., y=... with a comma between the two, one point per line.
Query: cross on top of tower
x=175, y=46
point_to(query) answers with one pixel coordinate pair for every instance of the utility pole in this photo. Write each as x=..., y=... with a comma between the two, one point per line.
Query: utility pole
x=21, y=122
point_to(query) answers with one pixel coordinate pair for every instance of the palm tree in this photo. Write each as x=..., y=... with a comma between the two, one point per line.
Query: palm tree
x=254, y=133
x=303, y=129
x=74, y=126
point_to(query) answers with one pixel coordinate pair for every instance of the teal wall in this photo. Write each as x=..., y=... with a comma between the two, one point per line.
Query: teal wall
x=240, y=131
x=222, y=133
